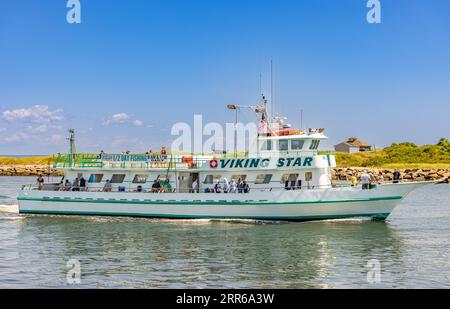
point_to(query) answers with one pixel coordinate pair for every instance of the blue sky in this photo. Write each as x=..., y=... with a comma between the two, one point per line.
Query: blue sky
x=152, y=63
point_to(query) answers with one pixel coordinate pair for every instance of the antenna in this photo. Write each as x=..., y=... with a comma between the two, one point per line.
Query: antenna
x=271, y=89
x=301, y=119
x=260, y=83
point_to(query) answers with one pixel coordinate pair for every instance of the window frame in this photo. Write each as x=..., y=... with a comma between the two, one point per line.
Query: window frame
x=93, y=178
x=283, y=141
x=301, y=141
x=214, y=179
x=140, y=182
x=266, y=180
x=123, y=178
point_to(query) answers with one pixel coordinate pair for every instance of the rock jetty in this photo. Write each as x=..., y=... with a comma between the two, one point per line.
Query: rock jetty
x=408, y=174
x=27, y=170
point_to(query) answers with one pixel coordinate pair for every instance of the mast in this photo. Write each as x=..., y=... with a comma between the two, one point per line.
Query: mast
x=271, y=89
x=72, y=149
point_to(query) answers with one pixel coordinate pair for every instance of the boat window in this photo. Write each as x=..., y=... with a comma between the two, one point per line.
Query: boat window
x=237, y=177
x=283, y=145
x=263, y=179
x=308, y=176
x=289, y=177
x=95, y=178
x=163, y=177
x=210, y=179
x=267, y=145
x=314, y=144
x=118, y=178
x=140, y=178
x=297, y=144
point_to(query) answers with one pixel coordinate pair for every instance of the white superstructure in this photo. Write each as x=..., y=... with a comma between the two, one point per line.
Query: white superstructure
x=284, y=178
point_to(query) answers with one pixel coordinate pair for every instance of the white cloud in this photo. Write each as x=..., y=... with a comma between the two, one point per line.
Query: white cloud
x=18, y=137
x=123, y=118
x=117, y=118
x=37, y=114
x=137, y=123
x=43, y=128
x=2, y=130
x=56, y=138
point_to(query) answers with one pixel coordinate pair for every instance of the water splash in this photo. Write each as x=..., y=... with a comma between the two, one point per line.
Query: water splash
x=9, y=209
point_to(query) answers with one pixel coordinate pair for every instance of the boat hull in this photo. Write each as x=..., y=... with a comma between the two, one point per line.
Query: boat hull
x=299, y=205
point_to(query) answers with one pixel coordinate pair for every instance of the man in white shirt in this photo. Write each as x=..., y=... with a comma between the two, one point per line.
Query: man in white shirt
x=365, y=180
x=195, y=186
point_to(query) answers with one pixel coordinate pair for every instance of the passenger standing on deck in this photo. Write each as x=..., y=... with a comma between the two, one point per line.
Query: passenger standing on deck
x=396, y=176
x=67, y=185
x=233, y=186
x=76, y=185
x=240, y=186
x=365, y=181
x=107, y=187
x=195, y=186
x=226, y=186
x=380, y=179
x=354, y=181
x=246, y=187
x=82, y=184
x=40, y=182
x=218, y=187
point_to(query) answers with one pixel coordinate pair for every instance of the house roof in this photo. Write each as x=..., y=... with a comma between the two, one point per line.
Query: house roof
x=354, y=142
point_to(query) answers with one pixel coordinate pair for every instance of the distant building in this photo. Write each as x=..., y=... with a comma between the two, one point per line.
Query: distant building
x=353, y=145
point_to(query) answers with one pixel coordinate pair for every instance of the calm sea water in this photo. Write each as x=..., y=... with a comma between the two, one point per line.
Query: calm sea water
x=412, y=247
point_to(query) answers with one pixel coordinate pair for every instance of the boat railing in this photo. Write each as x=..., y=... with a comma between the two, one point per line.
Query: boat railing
x=137, y=161
x=59, y=187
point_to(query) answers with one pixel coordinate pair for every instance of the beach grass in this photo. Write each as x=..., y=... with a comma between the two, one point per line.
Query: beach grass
x=44, y=160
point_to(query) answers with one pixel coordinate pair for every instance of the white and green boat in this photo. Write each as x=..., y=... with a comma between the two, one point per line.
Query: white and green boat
x=287, y=177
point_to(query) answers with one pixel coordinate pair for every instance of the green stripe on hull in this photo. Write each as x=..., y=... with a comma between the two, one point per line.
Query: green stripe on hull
x=61, y=200
x=378, y=216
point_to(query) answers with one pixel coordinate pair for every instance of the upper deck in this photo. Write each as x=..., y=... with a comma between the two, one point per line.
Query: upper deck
x=296, y=145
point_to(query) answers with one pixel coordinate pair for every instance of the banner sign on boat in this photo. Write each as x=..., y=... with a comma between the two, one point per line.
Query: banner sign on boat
x=134, y=157
x=249, y=163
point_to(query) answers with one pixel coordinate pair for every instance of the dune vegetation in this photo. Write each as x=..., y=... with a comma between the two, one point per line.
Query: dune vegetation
x=45, y=160
x=403, y=155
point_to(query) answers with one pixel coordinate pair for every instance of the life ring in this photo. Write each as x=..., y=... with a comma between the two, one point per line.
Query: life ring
x=213, y=163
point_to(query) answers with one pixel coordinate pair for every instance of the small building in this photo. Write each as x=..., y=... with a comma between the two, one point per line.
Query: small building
x=353, y=145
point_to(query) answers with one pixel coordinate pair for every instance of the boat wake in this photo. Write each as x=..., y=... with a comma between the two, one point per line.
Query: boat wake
x=346, y=220
x=248, y=221
x=9, y=208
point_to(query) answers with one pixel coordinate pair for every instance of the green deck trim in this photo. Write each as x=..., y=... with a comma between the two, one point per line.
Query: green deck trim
x=379, y=216
x=96, y=201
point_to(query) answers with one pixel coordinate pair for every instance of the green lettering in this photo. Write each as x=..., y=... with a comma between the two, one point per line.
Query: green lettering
x=254, y=163
x=307, y=162
x=298, y=162
x=280, y=162
x=265, y=162
x=224, y=163
x=239, y=163
x=289, y=161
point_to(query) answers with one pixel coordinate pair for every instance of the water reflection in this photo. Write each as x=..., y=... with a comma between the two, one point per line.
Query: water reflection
x=119, y=252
